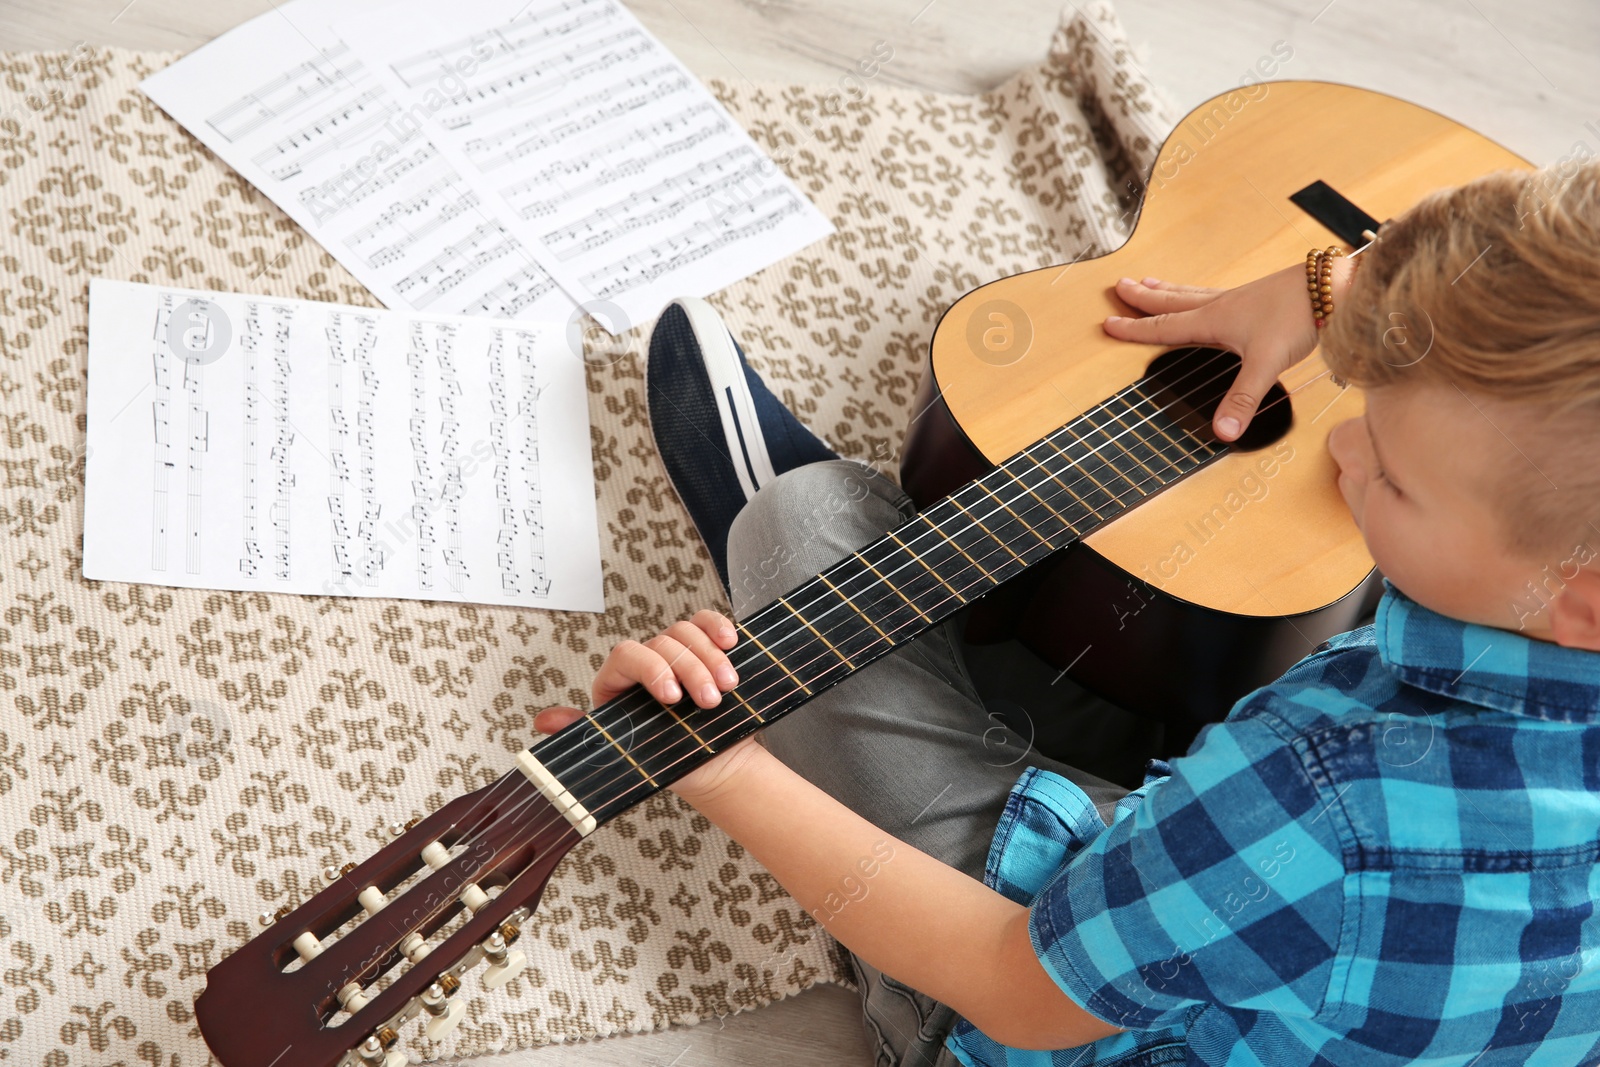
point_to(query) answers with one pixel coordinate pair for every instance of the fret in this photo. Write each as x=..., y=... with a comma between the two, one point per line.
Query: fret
x=909, y=602
x=1027, y=453
x=1024, y=501
x=1157, y=418
x=1126, y=434
x=820, y=637
x=982, y=526
x=1043, y=540
x=757, y=642
x=936, y=529
x=926, y=567
x=988, y=546
x=927, y=575
x=1092, y=455
x=625, y=753
x=838, y=623
x=823, y=578
x=679, y=719
x=592, y=763
x=734, y=693
x=870, y=595
x=885, y=594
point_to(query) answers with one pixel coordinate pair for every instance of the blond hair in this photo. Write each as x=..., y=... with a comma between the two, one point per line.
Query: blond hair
x=1491, y=287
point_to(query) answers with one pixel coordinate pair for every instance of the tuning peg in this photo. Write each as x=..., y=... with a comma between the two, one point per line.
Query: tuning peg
x=378, y=1049
x=352, y=998
x=473, y=898
x=498, y=974
x=308, y=946
x=504, y=962
x=372, y=899
x=447, y=1014
x=415, y=946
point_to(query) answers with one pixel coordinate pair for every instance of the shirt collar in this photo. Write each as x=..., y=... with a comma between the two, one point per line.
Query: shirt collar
x=1484, y=665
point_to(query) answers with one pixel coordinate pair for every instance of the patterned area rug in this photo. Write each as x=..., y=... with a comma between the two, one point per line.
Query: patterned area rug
x=175, y=762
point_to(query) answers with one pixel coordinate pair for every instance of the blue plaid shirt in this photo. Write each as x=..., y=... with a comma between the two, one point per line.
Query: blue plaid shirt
x=1391, y=855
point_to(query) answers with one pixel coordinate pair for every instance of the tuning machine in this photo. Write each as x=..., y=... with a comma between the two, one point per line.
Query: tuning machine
x=438, y=1000
x=378, y=1049
x=505, y=963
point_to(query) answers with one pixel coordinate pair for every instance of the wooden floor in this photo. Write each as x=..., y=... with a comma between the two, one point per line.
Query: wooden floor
x=1519, y=71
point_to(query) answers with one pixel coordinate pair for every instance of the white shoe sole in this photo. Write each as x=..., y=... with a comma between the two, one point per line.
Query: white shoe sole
x=740, y=426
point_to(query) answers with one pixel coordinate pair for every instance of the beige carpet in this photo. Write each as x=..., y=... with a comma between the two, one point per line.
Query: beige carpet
x=175, y=762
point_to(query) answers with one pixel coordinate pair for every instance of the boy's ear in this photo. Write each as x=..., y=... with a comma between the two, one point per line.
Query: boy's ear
x=1575, y=612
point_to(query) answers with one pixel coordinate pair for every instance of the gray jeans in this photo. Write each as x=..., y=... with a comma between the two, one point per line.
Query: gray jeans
x=905, y=742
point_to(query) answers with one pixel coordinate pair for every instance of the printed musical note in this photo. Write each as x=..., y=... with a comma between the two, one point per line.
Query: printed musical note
x=696, y=242
x=344, y=126
x=599, y=141
x=285, y=96
x=470, y=158
x=307, y=121
x=342, y=451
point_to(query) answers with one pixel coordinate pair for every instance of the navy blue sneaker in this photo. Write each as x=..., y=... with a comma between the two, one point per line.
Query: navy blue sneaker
x=721, y=433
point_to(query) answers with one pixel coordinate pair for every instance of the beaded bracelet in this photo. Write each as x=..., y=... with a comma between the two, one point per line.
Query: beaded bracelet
x=1319, y=276
x=1319, y=281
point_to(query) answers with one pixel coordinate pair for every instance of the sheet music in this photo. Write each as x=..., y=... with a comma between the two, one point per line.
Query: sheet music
x=485, y=157
x=624, y=170
x=290, y=107
x=253, y=443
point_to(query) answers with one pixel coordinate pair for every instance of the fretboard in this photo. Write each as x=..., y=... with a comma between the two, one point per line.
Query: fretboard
x=1050, y=494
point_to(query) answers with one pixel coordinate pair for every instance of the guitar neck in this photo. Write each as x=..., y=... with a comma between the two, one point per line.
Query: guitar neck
x=1052, y=493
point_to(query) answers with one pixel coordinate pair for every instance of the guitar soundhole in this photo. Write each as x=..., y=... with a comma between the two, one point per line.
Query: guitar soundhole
x=1188, y=384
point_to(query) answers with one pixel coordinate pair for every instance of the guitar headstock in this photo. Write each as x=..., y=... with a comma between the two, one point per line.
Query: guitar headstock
x=336, y=981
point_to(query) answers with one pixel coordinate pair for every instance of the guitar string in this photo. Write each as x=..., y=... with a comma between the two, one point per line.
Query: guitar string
x=646, y=702
x=776, y=672
x=520, y=782
x=643, y=702
x=989, y=550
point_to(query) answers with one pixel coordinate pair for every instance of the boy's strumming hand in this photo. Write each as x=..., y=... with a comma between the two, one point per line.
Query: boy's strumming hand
x=1267, y=322
x=687, y=657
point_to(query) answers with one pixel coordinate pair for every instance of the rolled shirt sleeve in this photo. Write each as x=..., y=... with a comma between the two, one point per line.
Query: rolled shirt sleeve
x=1223, y=886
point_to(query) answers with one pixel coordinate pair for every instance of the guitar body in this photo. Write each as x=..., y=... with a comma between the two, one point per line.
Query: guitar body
x=1216, y=585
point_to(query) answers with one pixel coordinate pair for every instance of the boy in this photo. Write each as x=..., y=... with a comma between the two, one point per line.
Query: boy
x=1390, y=855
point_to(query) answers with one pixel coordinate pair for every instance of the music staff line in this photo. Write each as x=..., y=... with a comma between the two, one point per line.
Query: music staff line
x=661, y=259
x=435, y=63
x=330, y=133
x=491, y=98
x=332, y=194
x=544, y=135
x=300, y=100
x=603, y=176
x=447, y=212
x=611, y=221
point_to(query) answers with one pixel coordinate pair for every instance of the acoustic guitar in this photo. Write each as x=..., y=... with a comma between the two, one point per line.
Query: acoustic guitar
x=1062, y=435
x=1225, y=580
